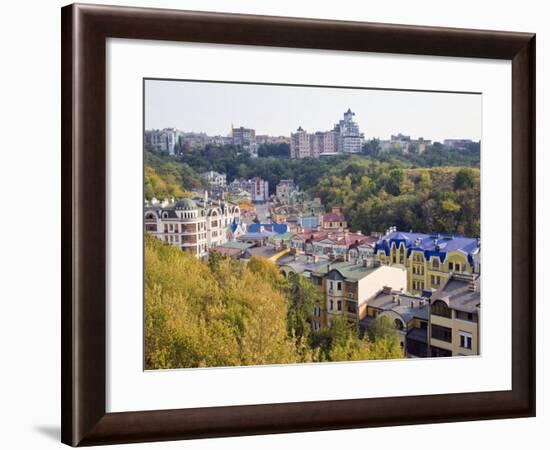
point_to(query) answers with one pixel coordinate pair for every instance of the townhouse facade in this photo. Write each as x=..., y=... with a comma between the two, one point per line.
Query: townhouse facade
x=455, y=311
x=430, y=260
x=346, y=286
x=334, y=220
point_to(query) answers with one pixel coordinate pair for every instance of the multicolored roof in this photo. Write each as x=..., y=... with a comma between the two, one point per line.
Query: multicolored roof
x=436, y=244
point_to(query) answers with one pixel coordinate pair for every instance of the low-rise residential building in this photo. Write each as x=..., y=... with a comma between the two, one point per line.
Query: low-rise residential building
x=342, y=245
x=409, y=313
x=193, y=226
x=347, y=286
x=213, y=178
x=284, y=189
x=256, y=187
x=267, y=139
x=405, y=144
x=334, y=220
x=455, y=316
x=430, y=259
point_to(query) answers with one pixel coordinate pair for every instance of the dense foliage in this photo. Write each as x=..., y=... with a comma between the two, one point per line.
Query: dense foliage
x=436, y=191
x=226, y=313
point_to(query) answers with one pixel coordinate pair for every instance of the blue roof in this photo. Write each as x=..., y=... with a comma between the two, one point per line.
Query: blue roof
x=234, y=225
x=309, y=222
x=436, y=244
x=277, y=228
x=256, y=236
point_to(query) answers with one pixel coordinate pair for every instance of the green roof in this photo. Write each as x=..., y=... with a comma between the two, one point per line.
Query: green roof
x=282, y=237
x=237, y=245
x=348, y=270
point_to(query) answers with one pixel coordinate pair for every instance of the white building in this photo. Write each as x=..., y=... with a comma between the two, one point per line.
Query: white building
x=162, y=140
x=214, y=178
x=348, y=137
x=193, y=226
x=256, y=187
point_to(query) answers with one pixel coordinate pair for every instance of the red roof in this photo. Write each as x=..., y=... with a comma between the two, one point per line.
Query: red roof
x=334, y=217
x=339, y=238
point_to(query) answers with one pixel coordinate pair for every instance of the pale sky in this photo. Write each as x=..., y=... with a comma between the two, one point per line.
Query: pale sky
x=279, y=110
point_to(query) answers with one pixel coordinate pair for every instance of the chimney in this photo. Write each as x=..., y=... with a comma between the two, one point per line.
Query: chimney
x=399, y=300
x=394, y=298
x=421, y=304
x=386, y=290
x=328, y=267
x=412, y=304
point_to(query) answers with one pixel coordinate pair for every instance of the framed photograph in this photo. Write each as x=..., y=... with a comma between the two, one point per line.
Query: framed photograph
x=278, y=225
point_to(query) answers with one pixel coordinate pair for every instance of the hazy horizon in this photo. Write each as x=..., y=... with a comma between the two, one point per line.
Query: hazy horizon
x=278, y=110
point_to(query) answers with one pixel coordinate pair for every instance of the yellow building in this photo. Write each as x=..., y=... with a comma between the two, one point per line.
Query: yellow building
x=455, y=316
x=428, y=259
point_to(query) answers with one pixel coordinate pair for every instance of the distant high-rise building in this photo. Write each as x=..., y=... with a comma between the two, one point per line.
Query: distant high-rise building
x=344, y=138
x=300, y=144
x=349, y=138
x=245, y=138
x=162, y=140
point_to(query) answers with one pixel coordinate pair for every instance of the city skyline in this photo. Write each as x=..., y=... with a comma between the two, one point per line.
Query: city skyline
x=278, y=110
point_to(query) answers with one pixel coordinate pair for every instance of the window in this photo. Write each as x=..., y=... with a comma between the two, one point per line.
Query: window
x=470, y=317
x=331, y=285
x=450, y=267
x=442, y=333
x=465, y=340
x=339, y=286
x=435, y=264
x=441, y=309
x=339, y=305
x=352, y=308
x=331, y=305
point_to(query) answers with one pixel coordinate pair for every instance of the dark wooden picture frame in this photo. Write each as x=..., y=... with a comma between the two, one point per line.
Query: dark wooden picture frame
x=85, y=30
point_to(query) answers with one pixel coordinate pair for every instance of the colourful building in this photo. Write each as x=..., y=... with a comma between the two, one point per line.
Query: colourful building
x=429, y=259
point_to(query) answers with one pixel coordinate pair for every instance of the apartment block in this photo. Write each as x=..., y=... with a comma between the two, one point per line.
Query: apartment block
x=195, y=227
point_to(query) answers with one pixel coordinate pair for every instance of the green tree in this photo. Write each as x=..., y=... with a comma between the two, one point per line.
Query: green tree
x=464, y=179
x=303, y=296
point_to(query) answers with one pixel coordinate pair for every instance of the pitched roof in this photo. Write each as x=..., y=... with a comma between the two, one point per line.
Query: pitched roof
x=349, y=270
x=436, y=244
x=279, y=228
x=333, y=217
